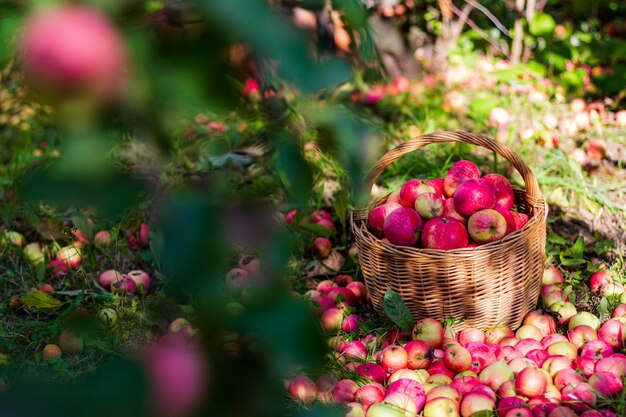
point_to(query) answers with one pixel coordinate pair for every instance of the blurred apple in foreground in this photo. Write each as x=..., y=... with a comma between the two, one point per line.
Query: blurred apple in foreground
x=72, y=50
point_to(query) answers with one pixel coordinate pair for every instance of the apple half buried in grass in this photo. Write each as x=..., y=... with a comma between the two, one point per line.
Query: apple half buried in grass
x=486, y=226
x=444, y=233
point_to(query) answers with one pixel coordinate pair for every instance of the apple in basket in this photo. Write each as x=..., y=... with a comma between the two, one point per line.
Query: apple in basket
x=444, y=233
x=402, y=227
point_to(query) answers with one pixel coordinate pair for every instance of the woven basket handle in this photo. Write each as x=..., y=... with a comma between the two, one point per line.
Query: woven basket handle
x=532, y=188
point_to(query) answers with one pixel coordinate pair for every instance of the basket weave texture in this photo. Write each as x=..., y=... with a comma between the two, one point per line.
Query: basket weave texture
x=495, y=283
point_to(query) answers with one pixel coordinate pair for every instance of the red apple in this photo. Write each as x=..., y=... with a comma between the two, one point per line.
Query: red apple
x=109, y=277
x=450, y=211
x=141, y=278
x=444, y=233
x=531, y=382
x=616, y=364
x=526, y=345
x=472, y=196
x=394, y=197
x=567, y=377
x=580, y=335
x=612, y=332
x=402, y=227
x=322, y=246
x=496, y=374
x=606, y=383
x=411, y=189
x=70, y=255
x=471, y=335
x=73, y=50
x=318, y=215
x=358, y=289
x=354, y=350
x=394, y=357
x=538, y=356
x=542, y=321
x=331, y=320
x=508, y=218
x=377, y=218
x=502, y=189
x=302, y=389
x=369, y=394
x=475, y=402
x=457, y=358
x=372, y=370
x=598, y=279
x=344, y=391
x=412, y=388
x=551, y=275
x=597, y=349
x=519, y=219
x=429, y=330
x=441, y=407
x=486, y=226
x=102, y=239
x=418, y=353
x=460, y=172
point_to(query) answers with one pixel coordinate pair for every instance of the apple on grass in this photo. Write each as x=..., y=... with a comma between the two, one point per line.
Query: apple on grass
x=486, y=226
x=599, y=279
x=429, y=330
x=302, y=389
x=418, y=353
x=551, y=275
x=373, y=371
x=444, y=233
x=457, y=358
x=441, y=407
x=394, y=357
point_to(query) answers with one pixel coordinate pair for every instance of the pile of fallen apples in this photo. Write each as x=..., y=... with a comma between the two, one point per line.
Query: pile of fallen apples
x=534, y=371
x=460, y=210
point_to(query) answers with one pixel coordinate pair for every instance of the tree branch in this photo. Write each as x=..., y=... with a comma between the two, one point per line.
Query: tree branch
x=478, y=30
x=490, y=16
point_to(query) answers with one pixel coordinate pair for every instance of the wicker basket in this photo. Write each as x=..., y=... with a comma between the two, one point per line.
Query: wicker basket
x=495, y=283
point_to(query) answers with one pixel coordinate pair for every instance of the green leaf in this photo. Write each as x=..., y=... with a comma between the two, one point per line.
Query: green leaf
x=293, y=171
x=316, y=229
x=41, y=301
x=572, y=261
x=542, y=25
x=397, y=311
x=556, y=239
x=603, y=306
x=578, y=249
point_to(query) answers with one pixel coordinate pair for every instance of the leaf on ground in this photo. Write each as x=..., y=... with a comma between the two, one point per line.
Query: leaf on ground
x=328, y=266
x=397, y=311
x=41, y=301
x=50, y=230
